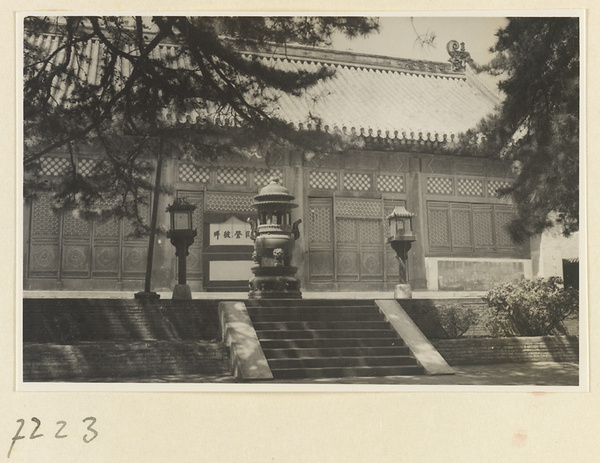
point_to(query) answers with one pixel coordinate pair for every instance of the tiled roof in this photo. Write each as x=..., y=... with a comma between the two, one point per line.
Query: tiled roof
x=369, y=95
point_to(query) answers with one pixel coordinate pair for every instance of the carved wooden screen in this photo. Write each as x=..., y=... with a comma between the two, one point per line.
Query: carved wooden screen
x=107, y=248
x=320, y=239
x=134, y=248
x=471, y=229
x=67, y=246
x=359, y=239
x=44, y=242
x=76, y=246
x=346, y=240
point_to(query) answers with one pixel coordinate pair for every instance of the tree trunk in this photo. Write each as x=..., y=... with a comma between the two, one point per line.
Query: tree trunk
x=155, y=198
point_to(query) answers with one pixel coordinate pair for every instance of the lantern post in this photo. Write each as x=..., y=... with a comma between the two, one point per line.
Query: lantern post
x=182, y=234
x=401, y=237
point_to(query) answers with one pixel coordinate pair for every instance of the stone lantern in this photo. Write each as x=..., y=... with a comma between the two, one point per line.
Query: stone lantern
x=401, y=237
x=182, y=234
x=274, y=238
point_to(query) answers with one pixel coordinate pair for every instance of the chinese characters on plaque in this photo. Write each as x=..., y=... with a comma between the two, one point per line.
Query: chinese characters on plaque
x=231, y=232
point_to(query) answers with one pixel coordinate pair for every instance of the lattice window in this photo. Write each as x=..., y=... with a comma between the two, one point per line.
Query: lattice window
x=438, y=227
x=75, y=226
x=229, y=202
x=345, y=231
x=461, y=228
x=232, y=175
x=502, y=221
x=323, y=180
x=262, y=177
x=361, y=209
x=470, y=187
x=45, y=220
x=482, y=228
x=473, y=227
x=390, y=183
x=53, y=166
x=320, y=224
x=85, y=167
x=129, y=228
x=440, y=186
x=110, y=226
x=193, y=174
x=495, y=185
x=370, y=232
x=358, y=182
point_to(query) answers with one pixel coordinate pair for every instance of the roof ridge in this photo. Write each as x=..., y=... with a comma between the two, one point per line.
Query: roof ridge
x=355, y=60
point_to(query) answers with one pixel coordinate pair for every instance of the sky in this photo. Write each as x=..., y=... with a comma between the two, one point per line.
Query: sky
x=398, y=36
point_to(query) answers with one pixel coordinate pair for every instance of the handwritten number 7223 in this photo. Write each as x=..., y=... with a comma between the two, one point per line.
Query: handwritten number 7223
x=89, y=435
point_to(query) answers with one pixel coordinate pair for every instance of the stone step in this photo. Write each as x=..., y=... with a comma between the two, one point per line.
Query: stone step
x=320, y=334
x=336, y=316
x=336, y=351
x=322, y=310
x=321, y=325
x=341, y=362
x=284, y=303
x=329, y=339
x=330, y=343
x=345, y=372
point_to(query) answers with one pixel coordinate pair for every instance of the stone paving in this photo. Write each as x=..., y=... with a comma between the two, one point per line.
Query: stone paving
x=507, y=374
x=243, y=295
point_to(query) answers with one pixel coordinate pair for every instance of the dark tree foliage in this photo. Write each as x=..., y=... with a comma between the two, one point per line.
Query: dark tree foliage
x=154, y=70
x=536, y=128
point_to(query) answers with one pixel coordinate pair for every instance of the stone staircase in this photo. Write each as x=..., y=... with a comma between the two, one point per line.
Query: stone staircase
x=329, y=339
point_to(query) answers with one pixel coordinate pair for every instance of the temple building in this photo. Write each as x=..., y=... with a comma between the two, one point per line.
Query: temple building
x=404, y=111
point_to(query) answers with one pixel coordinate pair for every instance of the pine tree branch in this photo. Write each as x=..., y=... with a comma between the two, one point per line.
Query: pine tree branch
x=106, y=113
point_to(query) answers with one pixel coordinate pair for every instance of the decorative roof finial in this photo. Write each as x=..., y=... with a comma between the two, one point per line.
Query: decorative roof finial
x=458, y=56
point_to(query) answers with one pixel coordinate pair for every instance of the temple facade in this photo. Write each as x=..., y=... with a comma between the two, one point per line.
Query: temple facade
x=404, y=111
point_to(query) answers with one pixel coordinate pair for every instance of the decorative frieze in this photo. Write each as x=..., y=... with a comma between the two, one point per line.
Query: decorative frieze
x=357, y=182
x=229, y=202
x=323, y=180
x=262, y=177
x=495, y=185
x=85, y=166
x=440, y=186
x=470, y=187
x=193, y=174
x=53, y=166
x=359, y=208
x=390, y=183
x=232, y=175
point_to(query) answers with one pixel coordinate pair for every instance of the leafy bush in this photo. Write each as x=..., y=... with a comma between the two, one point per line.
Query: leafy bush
x=456, y=321
x=530, y=307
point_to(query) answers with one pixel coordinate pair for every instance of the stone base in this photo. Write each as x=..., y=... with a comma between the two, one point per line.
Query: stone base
x=403, y=291
x=280, y=287
x=146, y=295
x=182, y=292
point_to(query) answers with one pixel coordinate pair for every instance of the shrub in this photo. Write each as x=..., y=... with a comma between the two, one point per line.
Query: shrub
x=530, y=307
x=456, y=321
